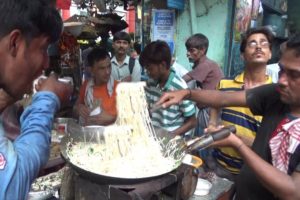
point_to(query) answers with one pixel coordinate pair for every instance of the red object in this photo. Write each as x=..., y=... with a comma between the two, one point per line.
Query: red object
x=61, y=128
x=63, y=4
x=65, y=14
x=130, y=18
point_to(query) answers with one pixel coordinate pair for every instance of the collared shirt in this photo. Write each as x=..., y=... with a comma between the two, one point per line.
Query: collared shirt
x=173, y=117
x=245, y=122
x=119, y=72
x=108, y=102
x=181, y=71
x=273, y=70
x=207, y=74
x=21, y=160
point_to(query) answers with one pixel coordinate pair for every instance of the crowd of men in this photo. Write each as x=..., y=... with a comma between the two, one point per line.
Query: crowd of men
x=262, y=158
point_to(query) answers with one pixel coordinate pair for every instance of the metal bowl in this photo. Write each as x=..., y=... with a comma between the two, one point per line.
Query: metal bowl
x=75, y=28
x=63, y=120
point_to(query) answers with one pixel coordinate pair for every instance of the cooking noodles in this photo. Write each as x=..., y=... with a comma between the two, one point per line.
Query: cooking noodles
x=129, y=148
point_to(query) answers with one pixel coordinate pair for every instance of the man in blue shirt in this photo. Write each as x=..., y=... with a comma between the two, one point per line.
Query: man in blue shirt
x=27, y=28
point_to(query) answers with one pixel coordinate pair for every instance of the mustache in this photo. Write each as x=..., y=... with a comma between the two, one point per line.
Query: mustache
x=258, y=52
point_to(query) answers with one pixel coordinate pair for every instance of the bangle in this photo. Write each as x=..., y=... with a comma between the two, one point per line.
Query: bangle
x=190, y=94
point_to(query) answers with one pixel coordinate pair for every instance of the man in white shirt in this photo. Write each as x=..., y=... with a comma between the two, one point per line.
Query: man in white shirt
x=181, y=71
x=124, y=68
x=273, y=69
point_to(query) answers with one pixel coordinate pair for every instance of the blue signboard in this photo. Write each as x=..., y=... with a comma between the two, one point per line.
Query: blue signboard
x=164, y=19
x=171, y=46
x=177, y=4
x=164, y=26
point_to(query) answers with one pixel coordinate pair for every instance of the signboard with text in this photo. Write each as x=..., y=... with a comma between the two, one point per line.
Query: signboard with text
x=164, y=26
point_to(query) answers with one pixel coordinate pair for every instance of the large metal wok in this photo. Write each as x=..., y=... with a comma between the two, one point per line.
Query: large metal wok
x=76, y=133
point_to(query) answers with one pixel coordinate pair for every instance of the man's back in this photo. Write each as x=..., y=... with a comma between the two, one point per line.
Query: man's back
x=207, y=74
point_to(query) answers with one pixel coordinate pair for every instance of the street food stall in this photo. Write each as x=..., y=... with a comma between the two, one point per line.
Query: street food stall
x=73, y=181
x=127, y=160
x=64, y=178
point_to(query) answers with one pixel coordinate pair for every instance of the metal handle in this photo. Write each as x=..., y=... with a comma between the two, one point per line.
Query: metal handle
x=223, y=133
x=208, y=139
x=202, y=143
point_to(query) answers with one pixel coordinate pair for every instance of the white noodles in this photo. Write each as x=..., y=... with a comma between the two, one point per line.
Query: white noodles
x=131, y=148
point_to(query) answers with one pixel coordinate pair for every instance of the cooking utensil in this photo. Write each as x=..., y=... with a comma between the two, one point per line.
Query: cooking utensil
x=191, y=160
x=208, y=139
x=76, y=133
x=198, y=142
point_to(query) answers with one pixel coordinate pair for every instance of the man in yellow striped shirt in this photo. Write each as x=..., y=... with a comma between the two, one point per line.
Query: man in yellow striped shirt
x=256, y=51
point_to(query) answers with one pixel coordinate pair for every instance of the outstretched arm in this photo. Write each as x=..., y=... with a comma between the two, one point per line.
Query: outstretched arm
x=280, y=184
x=211, y=98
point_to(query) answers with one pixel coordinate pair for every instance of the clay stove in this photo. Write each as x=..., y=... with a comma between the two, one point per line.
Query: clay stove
x=178, y=185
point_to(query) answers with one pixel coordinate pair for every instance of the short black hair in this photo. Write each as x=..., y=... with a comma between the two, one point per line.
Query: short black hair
x=155, y=53
x=198, y=41
x=137, y=47
x=32, y=17
x=294, y=44
x=96, y=55
x=251, y=31
x=122, y=36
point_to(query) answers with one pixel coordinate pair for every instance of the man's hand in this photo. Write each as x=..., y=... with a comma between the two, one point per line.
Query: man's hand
x=83, y=111
x=127, y=79
x=231, y=141
x=103, y=119
x=212, y=128
x=51, y=84
x=172, y=98
x=5, y=100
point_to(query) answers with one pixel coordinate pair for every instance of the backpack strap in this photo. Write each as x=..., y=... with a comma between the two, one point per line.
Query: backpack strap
x=131, y=64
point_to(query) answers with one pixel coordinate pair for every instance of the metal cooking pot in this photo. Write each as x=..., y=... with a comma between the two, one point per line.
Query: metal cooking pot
x=77, y=133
